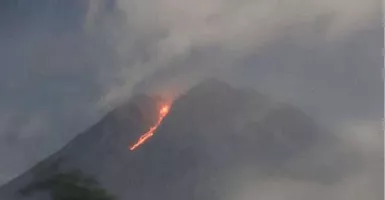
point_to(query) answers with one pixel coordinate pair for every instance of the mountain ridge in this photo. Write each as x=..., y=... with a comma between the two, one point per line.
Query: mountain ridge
x=210, y=129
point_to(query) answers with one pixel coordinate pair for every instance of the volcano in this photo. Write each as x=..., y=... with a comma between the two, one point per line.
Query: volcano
x=210, y=133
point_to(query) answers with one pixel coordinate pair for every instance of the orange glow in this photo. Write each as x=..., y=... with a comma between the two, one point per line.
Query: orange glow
x=162, y=113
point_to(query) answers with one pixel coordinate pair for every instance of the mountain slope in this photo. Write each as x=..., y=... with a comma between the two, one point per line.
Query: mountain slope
x=211, y=131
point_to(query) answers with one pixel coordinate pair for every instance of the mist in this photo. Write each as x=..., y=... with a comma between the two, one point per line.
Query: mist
x=65, y=65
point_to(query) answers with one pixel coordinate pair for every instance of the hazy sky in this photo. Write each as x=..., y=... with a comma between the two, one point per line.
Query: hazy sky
x=62, y=68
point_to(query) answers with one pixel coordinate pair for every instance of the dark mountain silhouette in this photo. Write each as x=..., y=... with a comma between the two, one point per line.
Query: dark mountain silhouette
x=211, y=132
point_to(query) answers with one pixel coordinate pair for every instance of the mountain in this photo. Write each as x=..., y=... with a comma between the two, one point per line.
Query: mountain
x=211, y=133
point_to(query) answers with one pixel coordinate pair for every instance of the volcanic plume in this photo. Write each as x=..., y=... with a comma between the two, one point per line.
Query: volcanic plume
x=162, y=113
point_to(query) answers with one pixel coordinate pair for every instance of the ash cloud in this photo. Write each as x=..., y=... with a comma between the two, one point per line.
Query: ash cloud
x=324, y=56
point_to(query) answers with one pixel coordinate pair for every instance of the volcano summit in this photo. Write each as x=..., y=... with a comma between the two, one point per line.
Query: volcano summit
x=212, y=134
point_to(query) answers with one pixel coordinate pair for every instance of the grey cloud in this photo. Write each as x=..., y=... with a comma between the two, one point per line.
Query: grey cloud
x=363, y=173
x=239, y=28
x=324, y=56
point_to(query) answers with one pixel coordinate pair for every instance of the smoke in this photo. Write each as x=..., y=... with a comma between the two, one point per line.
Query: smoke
x=358, y=158
x=56, y=81
x=189, y=41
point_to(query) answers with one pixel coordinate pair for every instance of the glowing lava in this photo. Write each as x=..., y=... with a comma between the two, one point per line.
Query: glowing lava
x=162, y=113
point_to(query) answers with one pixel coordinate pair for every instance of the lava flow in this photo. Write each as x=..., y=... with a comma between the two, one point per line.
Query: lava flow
x=162, y=113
